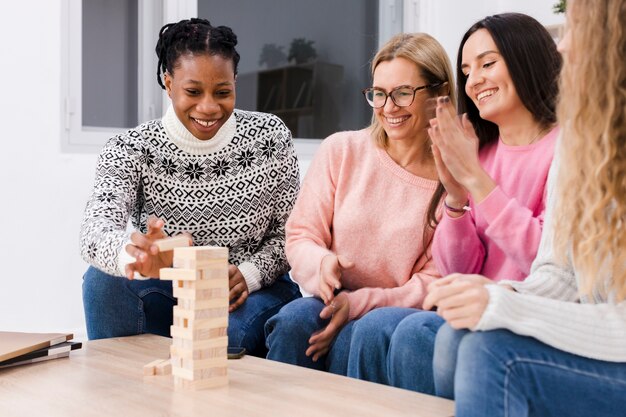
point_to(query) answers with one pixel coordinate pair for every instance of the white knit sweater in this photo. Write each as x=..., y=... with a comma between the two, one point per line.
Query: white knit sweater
x=548, y=306
x=235, y=190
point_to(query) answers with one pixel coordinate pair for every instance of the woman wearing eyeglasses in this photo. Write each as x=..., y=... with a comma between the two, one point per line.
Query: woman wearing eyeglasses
x=360, y=233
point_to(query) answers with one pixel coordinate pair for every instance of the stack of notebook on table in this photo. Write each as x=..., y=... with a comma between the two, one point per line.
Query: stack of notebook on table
x=17, y=348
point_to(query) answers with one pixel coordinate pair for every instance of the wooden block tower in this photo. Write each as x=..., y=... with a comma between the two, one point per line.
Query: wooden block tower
x=199, y=333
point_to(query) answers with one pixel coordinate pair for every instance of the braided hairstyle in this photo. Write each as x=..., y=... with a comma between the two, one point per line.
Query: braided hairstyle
x=193, y=36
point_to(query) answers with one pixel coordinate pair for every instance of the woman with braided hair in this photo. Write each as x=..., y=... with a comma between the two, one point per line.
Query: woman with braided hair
x=225, y=177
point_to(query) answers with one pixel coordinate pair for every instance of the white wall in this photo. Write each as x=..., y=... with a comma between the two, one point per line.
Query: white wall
x=448, y=20
x=44, y=191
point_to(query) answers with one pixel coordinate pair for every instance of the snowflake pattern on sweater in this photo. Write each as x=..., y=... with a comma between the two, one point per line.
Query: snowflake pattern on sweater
x=238, y=196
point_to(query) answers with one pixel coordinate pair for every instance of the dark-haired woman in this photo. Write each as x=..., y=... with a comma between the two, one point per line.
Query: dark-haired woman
x=224, y=176
x=494, y=165
x=507, y=69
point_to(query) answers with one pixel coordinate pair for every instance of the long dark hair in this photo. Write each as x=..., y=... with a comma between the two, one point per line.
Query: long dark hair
x=533, y=62
x=193, y=36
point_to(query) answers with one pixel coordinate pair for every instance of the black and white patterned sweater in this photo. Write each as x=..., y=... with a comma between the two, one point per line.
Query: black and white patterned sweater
x=235, y=190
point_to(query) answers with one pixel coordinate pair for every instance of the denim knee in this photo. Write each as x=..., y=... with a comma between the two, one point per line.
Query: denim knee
x=287, y=333
x=502, y=373
x=445, y=359
x=299, y=317
x=369, y=346
x=421, y=325
x=111, y=309
x=115, y=306
x=411, y=352
x=246, y=324
x=375, y=328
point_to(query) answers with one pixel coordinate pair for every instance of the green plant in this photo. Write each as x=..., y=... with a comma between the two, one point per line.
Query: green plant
x=301, y=51
x=559, y=7
x=272, y=55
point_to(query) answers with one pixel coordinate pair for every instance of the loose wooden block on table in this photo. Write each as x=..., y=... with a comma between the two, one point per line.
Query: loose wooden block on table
x=164, y=367
x=158, y=367
x=149, y=369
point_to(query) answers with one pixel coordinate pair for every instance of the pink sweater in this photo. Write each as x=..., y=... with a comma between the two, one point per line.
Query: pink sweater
x=499, y=237
x=357, y=202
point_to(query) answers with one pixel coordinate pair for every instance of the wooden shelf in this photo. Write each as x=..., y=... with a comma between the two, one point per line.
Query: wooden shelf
x=296, y=92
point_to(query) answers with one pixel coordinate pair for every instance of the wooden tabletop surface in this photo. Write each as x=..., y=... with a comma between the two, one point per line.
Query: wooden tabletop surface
x=105, y=378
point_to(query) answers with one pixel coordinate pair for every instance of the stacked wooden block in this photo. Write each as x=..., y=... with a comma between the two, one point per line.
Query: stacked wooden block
x=199, y=333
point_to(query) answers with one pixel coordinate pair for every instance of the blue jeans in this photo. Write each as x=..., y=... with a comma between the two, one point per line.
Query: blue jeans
x=499, y=373
x=444, y=359
x=394, y=346
x=288, y=332
x=116, y=306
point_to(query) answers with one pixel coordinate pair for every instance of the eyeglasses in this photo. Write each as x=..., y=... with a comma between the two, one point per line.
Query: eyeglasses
x=402, y=96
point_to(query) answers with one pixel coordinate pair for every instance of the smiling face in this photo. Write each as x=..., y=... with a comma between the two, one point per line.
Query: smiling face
x=489, y=84
x=202, y=90
x=401, y=123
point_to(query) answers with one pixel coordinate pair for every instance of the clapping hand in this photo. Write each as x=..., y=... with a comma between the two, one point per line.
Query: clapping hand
x=455, y=149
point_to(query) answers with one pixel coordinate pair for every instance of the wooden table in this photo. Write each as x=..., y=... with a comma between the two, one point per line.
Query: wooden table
x=105, y=378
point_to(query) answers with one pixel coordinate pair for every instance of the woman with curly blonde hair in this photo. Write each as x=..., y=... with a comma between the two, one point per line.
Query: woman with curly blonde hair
x=555, y=344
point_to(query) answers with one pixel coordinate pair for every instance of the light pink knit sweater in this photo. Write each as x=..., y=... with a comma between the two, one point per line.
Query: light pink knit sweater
x=357, y=202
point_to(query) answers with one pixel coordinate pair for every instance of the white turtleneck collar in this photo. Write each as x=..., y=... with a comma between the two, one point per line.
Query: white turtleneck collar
x=178, y=133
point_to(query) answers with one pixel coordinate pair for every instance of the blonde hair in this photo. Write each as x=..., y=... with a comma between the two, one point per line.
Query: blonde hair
x=429, y=57
x=590, y=214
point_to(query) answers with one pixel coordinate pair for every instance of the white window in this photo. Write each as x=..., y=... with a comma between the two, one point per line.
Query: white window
x=109, y=64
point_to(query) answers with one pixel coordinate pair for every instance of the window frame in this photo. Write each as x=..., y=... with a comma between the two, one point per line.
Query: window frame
x=152, y=14
x=152, y=101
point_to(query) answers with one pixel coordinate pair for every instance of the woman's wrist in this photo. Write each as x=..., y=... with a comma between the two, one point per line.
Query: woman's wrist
x=456, y=207
x=480, y=186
